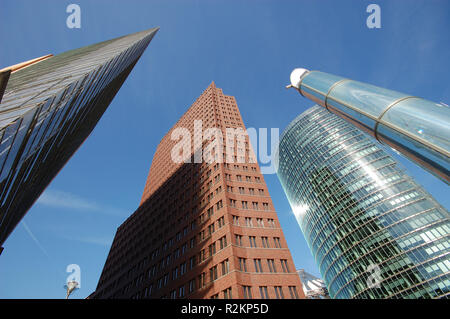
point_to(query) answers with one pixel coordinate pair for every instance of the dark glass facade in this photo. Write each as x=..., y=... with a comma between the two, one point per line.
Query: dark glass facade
x=373, y=231
x=48, y=109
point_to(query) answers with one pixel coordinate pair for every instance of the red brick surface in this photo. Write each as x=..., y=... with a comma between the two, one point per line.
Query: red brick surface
x=175, y=196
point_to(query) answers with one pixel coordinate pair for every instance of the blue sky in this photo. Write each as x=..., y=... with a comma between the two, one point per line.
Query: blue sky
x=249, y=49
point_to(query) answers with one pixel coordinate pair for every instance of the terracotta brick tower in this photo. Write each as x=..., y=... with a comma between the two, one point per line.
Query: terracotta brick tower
x=204, y=228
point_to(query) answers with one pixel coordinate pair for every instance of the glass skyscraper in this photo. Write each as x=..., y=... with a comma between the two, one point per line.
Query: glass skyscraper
x=48, y=109
x=373, y=231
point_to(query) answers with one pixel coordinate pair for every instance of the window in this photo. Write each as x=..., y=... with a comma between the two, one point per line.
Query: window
x=235, y=220
x=279, y=292
x=242, y=264
x=225, y=267
x=223, y=242
x=181, y=291
x=221, y=222
x=248, y=222
x=227, y=293
x=263, y=292
x=293, y=292
x=277, y=242
x=261, y=191
x=216, y=296
x=266, y=206
x=238, y=239
x=271, y=264
x=241, y=190
x=284, y=265
x=173, y=294
x=219, y=204
x=175, y=273
x=258, y=266
x=201, y=280
x=252, y=240
x=239, y=178
x=247, y=292
x=192, y=262
x=255, y=205
x=213, y=273
x=211, y=229
x=212, y=249
x=251, y=191
x=202, y=255
x=232, y=202
x=183, y=269
x=191, y=285
x=271, y=222
x=265, y=242
x=244, y=205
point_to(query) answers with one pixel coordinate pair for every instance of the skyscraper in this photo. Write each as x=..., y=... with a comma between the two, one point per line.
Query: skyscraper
x=373, y=231
x=48, y=108
x=206, y=227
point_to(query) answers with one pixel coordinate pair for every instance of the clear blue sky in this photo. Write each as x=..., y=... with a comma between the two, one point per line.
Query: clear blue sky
x=249, y=49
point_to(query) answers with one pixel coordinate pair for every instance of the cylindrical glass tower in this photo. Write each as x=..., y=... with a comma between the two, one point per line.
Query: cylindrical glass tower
x=373, y=231
x=417, y=128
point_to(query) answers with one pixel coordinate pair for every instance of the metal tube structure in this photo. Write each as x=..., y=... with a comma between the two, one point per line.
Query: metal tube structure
x=415, y=127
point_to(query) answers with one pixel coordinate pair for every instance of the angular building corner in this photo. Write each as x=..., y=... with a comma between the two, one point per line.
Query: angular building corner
x=372, y=230
x=48, y=107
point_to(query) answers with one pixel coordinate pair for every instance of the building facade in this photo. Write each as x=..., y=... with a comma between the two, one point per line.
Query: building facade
x=206, y=226
x=48, y=108
x=373, y=231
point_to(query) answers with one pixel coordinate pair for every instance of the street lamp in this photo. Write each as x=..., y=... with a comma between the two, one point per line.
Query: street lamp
x=70, y=286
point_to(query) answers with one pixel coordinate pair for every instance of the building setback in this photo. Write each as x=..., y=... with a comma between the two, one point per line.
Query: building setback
x=48, y=108
x=202, y=230
x=373, y=231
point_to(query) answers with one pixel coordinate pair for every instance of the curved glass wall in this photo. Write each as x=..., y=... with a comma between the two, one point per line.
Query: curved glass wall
x=414, y=126
x=373, y=231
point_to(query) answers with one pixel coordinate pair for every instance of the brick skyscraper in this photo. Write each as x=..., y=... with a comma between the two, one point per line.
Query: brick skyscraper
x=202, y=230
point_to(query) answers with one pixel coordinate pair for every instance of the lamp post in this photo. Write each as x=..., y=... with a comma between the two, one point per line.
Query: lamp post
x=70, y=287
